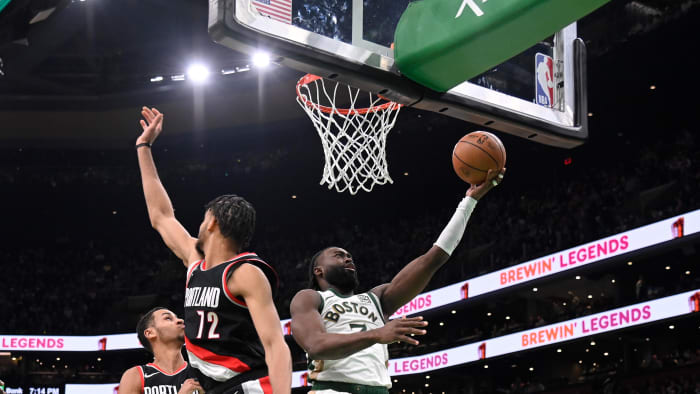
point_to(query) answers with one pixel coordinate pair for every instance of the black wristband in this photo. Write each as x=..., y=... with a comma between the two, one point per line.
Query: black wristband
x=143, y=144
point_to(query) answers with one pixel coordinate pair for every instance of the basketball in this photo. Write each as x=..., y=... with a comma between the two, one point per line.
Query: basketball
x=475, y=154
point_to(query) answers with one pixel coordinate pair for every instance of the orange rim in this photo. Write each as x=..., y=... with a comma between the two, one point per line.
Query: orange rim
x=308, y=78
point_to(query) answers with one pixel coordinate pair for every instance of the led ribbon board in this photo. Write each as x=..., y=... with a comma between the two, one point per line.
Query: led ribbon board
x=599, y=323
x=54, y=343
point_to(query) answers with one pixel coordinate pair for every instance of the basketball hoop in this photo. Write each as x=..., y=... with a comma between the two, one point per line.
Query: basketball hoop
x=353, y=139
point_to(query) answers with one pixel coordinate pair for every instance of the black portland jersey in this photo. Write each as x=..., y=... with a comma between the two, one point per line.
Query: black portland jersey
x=220, y=337
x=156, y=381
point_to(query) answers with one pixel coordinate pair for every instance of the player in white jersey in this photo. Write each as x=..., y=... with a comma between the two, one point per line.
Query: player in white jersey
x=345, y=334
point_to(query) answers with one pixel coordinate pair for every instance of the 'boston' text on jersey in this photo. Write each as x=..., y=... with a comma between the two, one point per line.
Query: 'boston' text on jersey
x=346, y=306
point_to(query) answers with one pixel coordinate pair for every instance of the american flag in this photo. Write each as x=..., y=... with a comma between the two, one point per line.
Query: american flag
x=279, y=10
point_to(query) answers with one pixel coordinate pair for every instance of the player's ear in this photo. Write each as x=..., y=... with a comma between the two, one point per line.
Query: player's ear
x=149, y=333
x=213, y=223
x=318, y=271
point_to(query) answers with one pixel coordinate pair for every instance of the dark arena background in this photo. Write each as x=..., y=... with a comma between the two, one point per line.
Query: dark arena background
x=579, y=274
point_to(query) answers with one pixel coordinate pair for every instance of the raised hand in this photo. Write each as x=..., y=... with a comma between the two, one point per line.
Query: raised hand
x=493, y=179
x=401, y=330
x=152, y=125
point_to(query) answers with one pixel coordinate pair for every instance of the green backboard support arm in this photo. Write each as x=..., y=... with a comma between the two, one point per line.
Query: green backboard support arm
x=440, y=43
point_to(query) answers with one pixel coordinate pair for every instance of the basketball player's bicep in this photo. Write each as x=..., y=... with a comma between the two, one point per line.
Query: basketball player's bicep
x=306, y=320
x=250, y=282
x=131, y=382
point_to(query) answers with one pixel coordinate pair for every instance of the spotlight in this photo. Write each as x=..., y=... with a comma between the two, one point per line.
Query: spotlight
x=197, y=73
x=157, y=78
x=261, y=59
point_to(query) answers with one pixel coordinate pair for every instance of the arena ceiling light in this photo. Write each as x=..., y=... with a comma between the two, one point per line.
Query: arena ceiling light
x=197, y=73
x=261, y=59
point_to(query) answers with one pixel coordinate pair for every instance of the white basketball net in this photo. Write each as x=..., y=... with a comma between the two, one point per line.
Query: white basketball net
x=353, y=140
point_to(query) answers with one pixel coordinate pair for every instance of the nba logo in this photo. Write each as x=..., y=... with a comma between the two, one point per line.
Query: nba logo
x=482, y=351
x=677, y=228
x=304, y=379
x=465, y=291
x=544, y=80
x=102, y=344
x=287, y=328
x=694, y=302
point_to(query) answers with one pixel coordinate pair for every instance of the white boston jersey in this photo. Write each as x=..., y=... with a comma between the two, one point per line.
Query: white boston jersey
x=345, y=315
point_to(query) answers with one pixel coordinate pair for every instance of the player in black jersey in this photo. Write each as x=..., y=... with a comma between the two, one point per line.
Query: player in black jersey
x=233, y=333
x=162, y=334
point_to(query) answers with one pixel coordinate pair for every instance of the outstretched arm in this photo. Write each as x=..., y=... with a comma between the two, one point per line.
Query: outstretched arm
x=413, y=278
x=308, y=331
x=250, y=282
x=160, y=209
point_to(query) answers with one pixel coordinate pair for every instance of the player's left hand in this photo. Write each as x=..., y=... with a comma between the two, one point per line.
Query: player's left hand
x=493, y=179
x=152, y=126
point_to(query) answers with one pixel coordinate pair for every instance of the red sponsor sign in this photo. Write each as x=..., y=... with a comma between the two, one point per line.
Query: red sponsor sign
x=464, y=291
x=677, y=228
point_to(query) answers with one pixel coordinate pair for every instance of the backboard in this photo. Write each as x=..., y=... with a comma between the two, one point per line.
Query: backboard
x=539, y=94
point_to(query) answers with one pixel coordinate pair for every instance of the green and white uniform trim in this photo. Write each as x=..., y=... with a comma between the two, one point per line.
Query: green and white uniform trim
x=346, y=315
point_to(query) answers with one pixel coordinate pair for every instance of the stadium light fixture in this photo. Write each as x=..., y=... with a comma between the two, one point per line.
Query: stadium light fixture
x=158, y=78
x=198, y=73
x=261, y=59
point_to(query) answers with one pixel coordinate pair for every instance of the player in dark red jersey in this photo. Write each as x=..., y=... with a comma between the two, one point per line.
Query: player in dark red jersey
x=162, y=334
x=233, y=333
